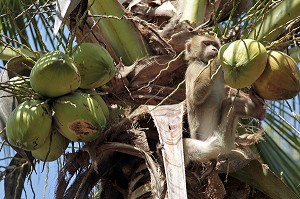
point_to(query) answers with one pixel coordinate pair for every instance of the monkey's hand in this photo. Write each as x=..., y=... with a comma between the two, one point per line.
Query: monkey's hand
x=215, y=67
x=245, y=102
x=212, y=68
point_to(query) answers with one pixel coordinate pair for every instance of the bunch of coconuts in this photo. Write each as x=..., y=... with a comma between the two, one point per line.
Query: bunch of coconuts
x=273, y=75
x=68, y=107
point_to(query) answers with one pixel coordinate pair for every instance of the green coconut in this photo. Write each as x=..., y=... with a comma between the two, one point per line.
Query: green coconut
x=243, y=61
x=21, y=87
x=54, y=74
x=79, y=117
x=103, y=105
x=99, y=99
x=280, y=79
x=53, y=147
x=95, y=65
x=29, y=124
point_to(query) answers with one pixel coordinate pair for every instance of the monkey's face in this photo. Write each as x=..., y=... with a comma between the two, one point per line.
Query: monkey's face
x=211, y=50
x=202, y=48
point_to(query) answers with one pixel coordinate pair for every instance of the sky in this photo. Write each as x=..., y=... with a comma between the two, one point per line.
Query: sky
x=43, y=182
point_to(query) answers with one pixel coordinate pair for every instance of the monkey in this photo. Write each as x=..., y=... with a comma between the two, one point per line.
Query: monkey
x=213, y=108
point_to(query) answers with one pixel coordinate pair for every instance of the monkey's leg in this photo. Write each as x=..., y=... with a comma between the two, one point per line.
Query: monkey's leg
x=201, y=151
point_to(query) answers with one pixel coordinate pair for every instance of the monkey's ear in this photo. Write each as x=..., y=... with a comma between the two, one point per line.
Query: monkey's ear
x=188, y=47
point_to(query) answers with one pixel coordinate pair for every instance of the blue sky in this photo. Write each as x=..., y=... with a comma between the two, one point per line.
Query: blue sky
x=43, y=181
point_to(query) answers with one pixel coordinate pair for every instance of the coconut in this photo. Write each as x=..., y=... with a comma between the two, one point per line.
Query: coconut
x=103, y=105
x=19, y=66
x=79, y=117
x=53, y=147
x=243, y=61
x=281, y=78
x=99, y=99
x=29, y=124
x=95, y=65
x=54, y=74
x=21, y=87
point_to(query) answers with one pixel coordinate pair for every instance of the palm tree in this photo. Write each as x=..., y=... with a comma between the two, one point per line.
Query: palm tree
x=146, y=40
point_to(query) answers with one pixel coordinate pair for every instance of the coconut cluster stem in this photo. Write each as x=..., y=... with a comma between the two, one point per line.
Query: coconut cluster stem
x=194, y=11
x=119, y=31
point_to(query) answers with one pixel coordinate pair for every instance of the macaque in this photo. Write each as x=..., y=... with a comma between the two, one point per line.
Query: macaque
x=213, y=108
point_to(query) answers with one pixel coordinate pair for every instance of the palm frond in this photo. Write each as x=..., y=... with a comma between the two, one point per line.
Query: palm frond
x=28, y=24
x=281, y=146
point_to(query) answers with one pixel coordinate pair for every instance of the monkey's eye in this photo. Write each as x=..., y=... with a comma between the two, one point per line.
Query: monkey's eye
x=211, y=43
x=207, y=43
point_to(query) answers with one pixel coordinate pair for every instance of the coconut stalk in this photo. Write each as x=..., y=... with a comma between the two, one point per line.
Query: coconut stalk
x=273, y=23
x=120, y=32
x=194, y=11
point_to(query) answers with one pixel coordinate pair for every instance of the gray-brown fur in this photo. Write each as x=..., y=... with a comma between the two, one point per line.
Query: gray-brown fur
x=212, y=107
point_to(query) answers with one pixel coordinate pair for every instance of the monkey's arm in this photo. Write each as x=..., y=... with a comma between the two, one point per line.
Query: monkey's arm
x=200, y=79
x=244, y=104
